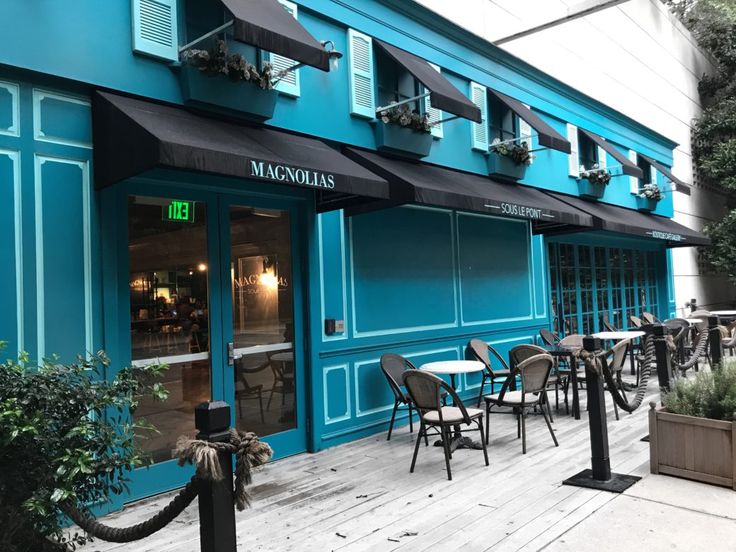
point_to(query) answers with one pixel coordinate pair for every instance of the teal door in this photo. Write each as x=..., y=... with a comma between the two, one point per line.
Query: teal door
x=213, y=294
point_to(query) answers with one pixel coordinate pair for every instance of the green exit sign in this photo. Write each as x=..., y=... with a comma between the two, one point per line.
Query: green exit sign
x=179, y=211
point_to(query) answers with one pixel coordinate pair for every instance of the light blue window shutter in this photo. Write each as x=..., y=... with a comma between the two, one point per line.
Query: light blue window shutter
x=479, y=131
x=289, y=84
x=435, y=115
x=602, y=160
x=155, y=29
x=573, y=159
x=525, y=133
x=360, y=62
x=653, y=174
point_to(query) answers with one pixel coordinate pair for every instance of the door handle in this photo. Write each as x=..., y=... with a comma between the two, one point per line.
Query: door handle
x=231, y=356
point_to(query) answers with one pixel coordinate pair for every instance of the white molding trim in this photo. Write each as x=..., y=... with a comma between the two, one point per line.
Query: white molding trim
x=38, y=96
x=326, y=370
x=14, y=157
x=14, y=90
x=343, y=266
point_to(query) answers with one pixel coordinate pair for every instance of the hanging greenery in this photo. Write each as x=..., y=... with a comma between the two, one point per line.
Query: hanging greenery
x=713, y=24
x=216, y=61
x=595, y=175
x=651, y=191
x=402, y=115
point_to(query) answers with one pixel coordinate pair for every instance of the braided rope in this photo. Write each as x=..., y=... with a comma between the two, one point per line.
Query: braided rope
x=598, y=364
x=249, y=452
x=698, y=352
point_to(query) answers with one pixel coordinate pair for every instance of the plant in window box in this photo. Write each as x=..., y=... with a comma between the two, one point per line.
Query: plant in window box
x=508, y=160
x=401, y=130
x=215, y=77
x=648, y=197
x=592, y=183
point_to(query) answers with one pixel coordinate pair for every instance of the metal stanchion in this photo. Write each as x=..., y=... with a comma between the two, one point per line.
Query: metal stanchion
x=714, y=342
x=599, y=476
x=662, y=354
x=216, y=512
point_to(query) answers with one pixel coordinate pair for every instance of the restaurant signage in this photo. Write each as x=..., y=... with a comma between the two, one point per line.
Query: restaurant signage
x=669, y=236
x=278, y=172
x=520, y=211
x=178, y=210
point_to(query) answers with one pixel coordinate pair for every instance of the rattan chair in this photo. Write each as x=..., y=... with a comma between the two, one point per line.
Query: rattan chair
x=549, y=337
x=533, y=373
x=425, y=391
x=244, y=391
x=649, y=318
x=636, y=321
x=680, y=330
x=393, y=367
x=520, y=353
x=616, y=365
x=479, y=350
x=607, y=325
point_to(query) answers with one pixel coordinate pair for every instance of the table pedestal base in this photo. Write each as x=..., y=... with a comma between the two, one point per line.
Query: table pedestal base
x=461, y=442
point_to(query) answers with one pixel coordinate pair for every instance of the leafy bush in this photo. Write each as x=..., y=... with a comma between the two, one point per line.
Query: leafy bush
x=709, y=395
x=217, y=62
x=402, y=115
x=65, y=435
x=518, y=153
x=595, y=175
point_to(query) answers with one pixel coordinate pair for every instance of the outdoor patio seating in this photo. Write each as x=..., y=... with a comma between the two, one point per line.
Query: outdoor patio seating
x=534, y=373
x=479, y=351
x=245, y=391
x=649, y=318
x=425, y=391
x=616, y=365
x=680, y=331
x=636, y=321
x=393, y=367
x=549, y=337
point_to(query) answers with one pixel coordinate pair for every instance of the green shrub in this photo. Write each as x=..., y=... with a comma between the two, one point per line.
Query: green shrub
x=709, y=395
x=66, y=434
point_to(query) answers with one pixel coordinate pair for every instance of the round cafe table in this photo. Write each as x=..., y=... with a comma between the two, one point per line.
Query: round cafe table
x=452, y=368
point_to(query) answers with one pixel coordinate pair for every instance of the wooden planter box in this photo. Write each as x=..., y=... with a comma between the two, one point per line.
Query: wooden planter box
x=589, y=190
x=503, y=168
x=404, y=141
x=246, y=98
x=700, y=449
x=646, y=204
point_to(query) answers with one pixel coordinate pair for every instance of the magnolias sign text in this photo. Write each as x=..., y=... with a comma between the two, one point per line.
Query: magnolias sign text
x=277, y=172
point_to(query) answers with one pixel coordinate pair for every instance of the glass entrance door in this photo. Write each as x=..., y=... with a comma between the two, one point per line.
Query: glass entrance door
x=264, y=376
x=212, y=294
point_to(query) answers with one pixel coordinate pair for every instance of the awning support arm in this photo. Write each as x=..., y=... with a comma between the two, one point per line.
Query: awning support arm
x=205, y=36
x=402, y=102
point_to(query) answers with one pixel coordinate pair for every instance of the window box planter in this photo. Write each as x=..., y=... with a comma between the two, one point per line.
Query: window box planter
x=646, y=204
x=590, y=190
x=404, y=141
x=223, y=94
x=700, y=449
x=503, y=168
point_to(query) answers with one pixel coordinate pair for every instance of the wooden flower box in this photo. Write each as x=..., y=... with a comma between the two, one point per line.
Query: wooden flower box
x=404, y=141
x=700, y=449
x=502, y=168
x=246, y=98
x=590, y=190
x=646, y=204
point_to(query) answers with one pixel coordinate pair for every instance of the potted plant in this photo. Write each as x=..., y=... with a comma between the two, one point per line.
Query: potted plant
x=694, y=434
x=403, y=131
x=214, y=77
x=508, y=160
x=592, y=182
x=65, y=437
x=648, y=197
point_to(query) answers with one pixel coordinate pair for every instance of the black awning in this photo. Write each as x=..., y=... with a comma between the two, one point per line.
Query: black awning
x=442, y=94
x=680, y=186
x=432, y=185
x=547, y=136
x=628, y=221
x=133, y=136
x=267, y=25
x=627, y=166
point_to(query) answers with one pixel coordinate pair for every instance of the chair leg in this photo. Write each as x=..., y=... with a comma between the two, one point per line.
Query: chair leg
x=546, y=401
x=549, y=426
x=416, y=446
x=446, y=447
x=523, y=431
x=411, y=419
x=270, y=396
x=480, y=393
x=393, y=416
x=518, y=423
x=488, y=421
x=260, y=405
x=482, y=440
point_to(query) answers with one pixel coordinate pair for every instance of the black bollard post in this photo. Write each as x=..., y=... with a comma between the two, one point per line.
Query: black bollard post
x=714, y=342
x=662, y=354
x=216, y=500
x=600, y=476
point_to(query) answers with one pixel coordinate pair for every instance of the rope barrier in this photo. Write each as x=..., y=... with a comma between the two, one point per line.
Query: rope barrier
x=249, y=453
x=698, y=351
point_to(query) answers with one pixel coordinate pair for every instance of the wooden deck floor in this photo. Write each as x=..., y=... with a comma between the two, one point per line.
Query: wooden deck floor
x=361, y=496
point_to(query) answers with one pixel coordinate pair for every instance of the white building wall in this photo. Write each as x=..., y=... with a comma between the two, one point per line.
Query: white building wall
x=635, y=57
